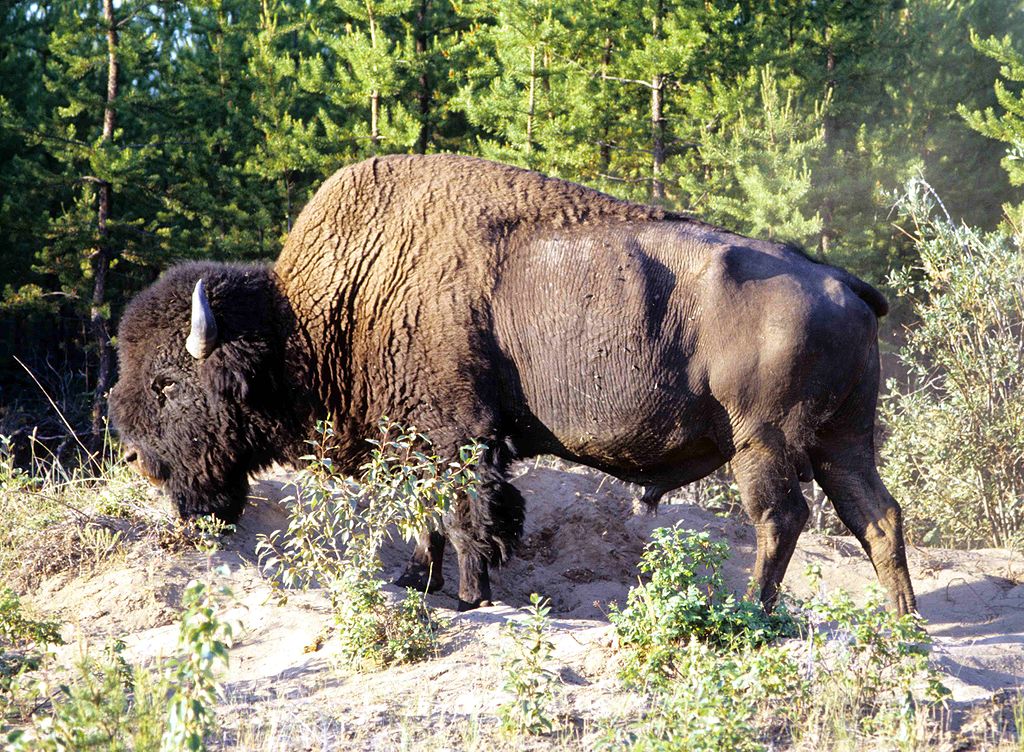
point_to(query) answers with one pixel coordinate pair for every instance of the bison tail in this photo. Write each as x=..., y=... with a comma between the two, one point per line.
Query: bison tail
x=875, y=299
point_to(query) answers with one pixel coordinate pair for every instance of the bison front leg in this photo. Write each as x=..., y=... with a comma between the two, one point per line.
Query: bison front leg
x=423, y=573
x=772, y=499
x=483, y=530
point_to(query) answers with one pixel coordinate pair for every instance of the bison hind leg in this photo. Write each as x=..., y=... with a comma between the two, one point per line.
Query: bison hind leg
x=771, y=495
x=850, y=479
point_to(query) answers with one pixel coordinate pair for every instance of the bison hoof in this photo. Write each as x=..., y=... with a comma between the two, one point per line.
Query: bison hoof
x=418, y=577
x=472, y=605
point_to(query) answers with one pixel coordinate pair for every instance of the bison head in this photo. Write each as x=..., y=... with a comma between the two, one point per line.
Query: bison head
x=203, y=395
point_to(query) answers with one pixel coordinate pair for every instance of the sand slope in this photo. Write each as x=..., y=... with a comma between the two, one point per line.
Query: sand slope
x=583, y=539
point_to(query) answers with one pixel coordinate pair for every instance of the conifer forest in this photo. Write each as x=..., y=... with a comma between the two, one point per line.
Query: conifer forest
x=134, y=134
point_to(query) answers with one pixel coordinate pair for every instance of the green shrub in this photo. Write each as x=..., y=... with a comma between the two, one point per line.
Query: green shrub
x=110, y=705
x=337, y=528
x=716, y=674
x=203, y=643
x=107, y=705
x=867, y=668
x=709, y=705
x=685, y=597
x=955, y=450
x=24, y=643
x=374, y=632
x=527, y=676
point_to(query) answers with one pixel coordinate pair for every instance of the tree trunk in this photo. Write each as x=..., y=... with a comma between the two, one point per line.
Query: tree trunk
x=531, y=103
x=828, y=128
x=102, y=255
x=424, y=95
x=657, y=120
x=606, y=147
x=657, y=140
x=375, y=93
x=374, y=120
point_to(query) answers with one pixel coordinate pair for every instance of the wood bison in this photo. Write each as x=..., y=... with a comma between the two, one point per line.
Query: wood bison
x=478, y=300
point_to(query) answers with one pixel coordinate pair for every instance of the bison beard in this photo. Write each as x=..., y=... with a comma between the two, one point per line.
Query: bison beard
x=478, y=300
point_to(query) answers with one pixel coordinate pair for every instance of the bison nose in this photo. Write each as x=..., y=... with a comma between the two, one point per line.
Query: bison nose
x=131, y=456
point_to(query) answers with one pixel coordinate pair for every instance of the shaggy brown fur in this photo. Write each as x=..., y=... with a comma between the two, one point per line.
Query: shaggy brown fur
x=478, y=300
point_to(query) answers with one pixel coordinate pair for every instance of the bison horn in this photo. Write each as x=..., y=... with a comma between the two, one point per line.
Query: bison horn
x=203, y=336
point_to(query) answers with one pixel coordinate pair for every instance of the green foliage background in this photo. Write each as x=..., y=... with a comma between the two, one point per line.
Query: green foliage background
x=775, y=117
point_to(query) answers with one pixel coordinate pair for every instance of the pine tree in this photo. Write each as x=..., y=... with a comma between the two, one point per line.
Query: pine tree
x=1008, y=125
x=360, y=75
x=291, y=153
x=521, y=92
x=93, y=47
x=435, y=28
x=763, y=159
x=652, y=74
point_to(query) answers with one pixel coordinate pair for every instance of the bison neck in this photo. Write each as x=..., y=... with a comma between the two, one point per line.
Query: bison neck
x=319, y=373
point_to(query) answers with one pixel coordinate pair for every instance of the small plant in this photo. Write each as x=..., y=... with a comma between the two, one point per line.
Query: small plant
x=98, y=543
x=709, y=706
x=208, y=533
x=338, y=526
x=866, y=663
x=717, y=676
x=686, y=598
x=107, y=704
x=374, y=632
x=23, y=646
x=12, y=477
x=527, y=676
x=203, y=643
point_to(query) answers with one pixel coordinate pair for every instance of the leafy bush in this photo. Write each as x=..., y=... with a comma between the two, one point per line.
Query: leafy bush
x=527, y=676
x=108, y=705
x=23, y=646
x=867, y=667
x=717, y=677
x=711, y=703
x=112, y=706
x=338, y=526
x=686, y=597
x=203, y=643
x=955, y=450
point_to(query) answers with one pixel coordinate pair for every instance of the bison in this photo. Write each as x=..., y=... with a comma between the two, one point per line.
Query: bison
x=482, y=301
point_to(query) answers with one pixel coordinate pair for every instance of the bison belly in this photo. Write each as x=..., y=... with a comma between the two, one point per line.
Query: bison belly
x=600, y=360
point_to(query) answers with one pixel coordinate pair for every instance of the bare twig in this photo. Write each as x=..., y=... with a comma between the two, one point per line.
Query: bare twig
x=84, y=515
x=90, y=455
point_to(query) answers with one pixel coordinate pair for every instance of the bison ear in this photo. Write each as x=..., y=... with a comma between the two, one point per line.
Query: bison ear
x=231, y=372
x=229, y=383
x=202, y=337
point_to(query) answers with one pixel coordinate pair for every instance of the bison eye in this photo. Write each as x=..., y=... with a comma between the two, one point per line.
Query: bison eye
x=164, y=387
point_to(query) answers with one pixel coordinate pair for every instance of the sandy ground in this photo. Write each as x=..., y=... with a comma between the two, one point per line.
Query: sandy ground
x=584, y=536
